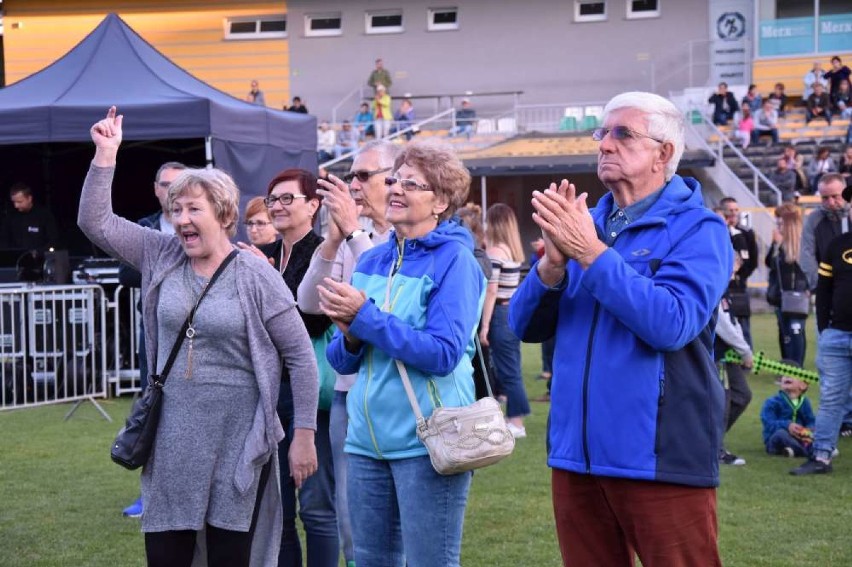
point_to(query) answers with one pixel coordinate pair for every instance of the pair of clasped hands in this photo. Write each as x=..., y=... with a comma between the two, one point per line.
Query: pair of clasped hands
x=567, y=229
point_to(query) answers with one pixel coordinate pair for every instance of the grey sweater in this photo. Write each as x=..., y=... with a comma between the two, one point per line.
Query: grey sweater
x=274, y=328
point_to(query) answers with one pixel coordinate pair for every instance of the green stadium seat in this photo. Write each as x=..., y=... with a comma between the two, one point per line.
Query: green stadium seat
x=568, y=124
x=590, y=122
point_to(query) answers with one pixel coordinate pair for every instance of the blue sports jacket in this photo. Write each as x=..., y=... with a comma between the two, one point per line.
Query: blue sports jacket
x=635, y=392
x=436, y=295
x=778, y=412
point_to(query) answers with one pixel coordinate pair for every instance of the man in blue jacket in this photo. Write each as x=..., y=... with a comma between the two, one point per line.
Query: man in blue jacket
x=629, y=289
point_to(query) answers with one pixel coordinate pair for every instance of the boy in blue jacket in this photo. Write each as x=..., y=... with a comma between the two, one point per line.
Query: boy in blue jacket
x=788, y=419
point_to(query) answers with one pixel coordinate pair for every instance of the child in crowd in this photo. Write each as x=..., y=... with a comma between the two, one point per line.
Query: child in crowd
x=745, y=126
x=788, y=419
x=729, y=335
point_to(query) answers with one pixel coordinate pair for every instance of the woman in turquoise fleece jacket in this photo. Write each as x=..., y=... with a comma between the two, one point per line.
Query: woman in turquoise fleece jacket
x=416, y=299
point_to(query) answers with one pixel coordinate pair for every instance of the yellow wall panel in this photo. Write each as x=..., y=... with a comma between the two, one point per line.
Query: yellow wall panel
x=789, y=70
x=190, y=32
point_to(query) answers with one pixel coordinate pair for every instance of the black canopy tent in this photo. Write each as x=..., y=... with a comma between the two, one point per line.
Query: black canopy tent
x=165, y=109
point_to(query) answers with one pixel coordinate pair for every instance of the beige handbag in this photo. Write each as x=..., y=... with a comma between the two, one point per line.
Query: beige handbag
x=462, y=438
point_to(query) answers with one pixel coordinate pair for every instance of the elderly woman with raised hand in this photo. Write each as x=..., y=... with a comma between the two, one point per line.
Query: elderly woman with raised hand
x=415, y=299
x=217, y=439
x=361, y=193
x=259, y=228
x=293, y=203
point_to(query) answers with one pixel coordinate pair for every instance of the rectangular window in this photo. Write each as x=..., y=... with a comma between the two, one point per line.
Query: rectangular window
x=323, y=25
x=637, y=9
x=257, y=27
x=588, y=11
x=443, y=19
x=383, y=22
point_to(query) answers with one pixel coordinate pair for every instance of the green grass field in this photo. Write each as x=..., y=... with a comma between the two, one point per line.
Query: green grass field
x=61, y=497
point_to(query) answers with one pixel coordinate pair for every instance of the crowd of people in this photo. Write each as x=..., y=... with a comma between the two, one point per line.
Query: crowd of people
x=404, y=280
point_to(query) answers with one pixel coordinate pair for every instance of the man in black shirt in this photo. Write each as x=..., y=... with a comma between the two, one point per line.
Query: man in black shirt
x=31, y=226
x=834, y=356
x=745, y=246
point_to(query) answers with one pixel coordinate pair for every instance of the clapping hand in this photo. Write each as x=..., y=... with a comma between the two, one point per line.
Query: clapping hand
x=342, y=209
x=340, y=302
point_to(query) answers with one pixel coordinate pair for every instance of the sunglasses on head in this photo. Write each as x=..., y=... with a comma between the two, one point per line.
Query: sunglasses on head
x=620, y=133
x=362, y=175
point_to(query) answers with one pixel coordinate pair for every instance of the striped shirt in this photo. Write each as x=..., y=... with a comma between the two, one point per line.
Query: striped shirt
x=507, y=275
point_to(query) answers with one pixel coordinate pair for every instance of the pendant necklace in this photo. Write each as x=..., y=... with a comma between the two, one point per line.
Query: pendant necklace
x=192, y=281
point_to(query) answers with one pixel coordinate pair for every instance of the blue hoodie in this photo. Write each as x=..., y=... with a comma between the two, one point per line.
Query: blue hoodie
x=635, y=392
x=437, y=293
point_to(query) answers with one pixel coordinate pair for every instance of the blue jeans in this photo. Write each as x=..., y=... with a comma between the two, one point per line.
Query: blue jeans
x=781, y=439
x=506, y=354
x=791, y=337
x=404, y=513
x=834, y=362
x=337, y=436
x=316, y=497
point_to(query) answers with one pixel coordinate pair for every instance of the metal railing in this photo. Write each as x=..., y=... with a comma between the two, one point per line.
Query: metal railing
x=565, y=117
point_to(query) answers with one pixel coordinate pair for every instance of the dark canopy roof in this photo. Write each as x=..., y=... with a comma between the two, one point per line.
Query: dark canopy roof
x=159, y=101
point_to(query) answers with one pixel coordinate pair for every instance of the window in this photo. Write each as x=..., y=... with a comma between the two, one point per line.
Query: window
x=586, y=11
x=637, y=9
x=257, y=27
x=321, y=25
x=443, y=19
x=383, y=22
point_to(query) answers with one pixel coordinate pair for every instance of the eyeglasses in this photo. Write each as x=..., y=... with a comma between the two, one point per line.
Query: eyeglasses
x=284, y=198
x=620, y=133
x=258, y=224
x=407, y=184
x=362, y=175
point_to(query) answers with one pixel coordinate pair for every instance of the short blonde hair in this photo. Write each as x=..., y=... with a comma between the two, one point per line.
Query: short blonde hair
x=444, y=172
x=217, y=186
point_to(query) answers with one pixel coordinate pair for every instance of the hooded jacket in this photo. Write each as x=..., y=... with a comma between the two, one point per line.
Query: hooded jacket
x=436, y=294
x=635, y=392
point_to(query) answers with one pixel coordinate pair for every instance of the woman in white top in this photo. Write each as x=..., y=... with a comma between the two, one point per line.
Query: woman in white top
x=506, y=253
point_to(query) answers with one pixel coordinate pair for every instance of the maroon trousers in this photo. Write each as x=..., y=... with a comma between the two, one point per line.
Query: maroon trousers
x=607, y=521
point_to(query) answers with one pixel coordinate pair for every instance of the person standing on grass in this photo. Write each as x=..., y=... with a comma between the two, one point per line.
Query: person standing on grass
x=630, y=289
x=834, y=349
x=745, y=247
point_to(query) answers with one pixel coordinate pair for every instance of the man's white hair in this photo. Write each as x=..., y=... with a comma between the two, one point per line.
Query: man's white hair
x=665, y=121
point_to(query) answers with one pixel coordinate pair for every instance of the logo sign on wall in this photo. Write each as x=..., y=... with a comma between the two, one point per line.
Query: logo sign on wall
x=730, y=46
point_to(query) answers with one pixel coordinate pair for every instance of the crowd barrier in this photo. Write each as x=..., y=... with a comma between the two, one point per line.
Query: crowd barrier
x=65, y=343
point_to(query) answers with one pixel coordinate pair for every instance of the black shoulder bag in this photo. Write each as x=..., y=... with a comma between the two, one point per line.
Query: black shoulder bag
x=132, y=445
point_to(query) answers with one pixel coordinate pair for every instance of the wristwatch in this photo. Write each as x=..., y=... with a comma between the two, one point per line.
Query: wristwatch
x=354, y=233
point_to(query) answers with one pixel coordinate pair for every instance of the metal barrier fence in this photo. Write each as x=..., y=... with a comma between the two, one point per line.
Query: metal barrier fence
x=66, y=343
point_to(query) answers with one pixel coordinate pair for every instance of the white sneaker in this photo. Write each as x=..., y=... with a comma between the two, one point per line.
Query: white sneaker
x=835, y=453
x=517, y=432
x=789, y=452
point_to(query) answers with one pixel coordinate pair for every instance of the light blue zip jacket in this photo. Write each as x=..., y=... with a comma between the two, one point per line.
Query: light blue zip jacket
x=436, y=298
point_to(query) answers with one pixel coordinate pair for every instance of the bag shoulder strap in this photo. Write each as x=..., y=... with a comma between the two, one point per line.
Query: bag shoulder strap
x=160, y=379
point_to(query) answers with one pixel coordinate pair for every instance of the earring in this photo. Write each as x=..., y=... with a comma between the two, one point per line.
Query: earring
x=436, y=217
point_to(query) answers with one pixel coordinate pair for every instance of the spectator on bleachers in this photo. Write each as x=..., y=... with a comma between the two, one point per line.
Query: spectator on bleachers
x=841, y=100
x=347, y=140
x=813, y=77
x=465, y=120
x=404, y=118
x=380, y=76
x=382, y=115
x=364, y=121
x=779, y=99
x=845, y=168
x=838, y=73
x=818, y=105
x=796, y=163
x=325, y=142
x=752, y=98
x=820, y=164
x=745, y=127
x=785, y=180
x=297, y=106
x=765, y=123
x=724, y=105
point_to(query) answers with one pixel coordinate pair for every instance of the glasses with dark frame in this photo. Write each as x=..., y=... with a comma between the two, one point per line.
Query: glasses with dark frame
x=621, y=133
x=284, y=198
x=407, y=184
x=362, y=175
x=258, y=224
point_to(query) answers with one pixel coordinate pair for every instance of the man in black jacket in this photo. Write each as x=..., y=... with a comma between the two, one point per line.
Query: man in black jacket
x=745, y=246
x=724, y=105
x=31, y=226
x=130, y=277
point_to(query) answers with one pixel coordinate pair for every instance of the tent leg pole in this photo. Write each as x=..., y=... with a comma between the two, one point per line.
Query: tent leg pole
x=482, y=196
x=208, y=152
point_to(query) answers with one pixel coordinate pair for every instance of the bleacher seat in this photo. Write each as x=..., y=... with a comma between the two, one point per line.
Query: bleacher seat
x=568, y=124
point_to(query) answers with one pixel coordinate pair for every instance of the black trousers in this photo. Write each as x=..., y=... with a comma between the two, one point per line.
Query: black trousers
x=225, y=548
x=737, y=394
